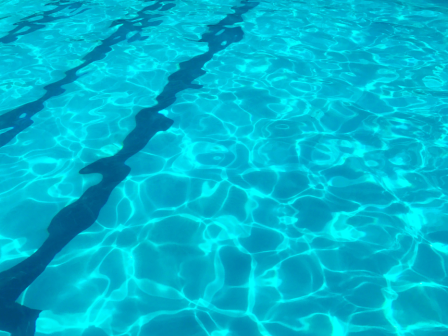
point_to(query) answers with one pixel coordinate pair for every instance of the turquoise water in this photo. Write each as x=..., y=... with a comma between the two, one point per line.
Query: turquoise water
x=223, y=168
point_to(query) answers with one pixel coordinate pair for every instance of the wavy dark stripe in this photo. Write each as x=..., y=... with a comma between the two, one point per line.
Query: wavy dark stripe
x=19, y=119
x=46, y=18
x=80, y=215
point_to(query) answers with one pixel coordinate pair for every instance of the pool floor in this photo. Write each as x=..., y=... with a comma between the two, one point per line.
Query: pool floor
x=224, y=168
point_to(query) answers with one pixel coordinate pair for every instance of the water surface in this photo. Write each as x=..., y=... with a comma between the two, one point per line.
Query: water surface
x=223, y=168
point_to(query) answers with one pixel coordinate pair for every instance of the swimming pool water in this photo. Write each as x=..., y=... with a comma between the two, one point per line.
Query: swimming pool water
x=223, y=168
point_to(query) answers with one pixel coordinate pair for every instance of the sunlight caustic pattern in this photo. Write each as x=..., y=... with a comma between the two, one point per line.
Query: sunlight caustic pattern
x=248, y=168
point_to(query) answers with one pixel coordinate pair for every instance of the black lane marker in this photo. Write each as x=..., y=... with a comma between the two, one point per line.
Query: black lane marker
x=19, y=119
x=80, y=215
x=46, y=18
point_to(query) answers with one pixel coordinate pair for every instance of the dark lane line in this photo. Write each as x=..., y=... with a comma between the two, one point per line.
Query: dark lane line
x=46, y=18
x=19, y=119
x=80, y=215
